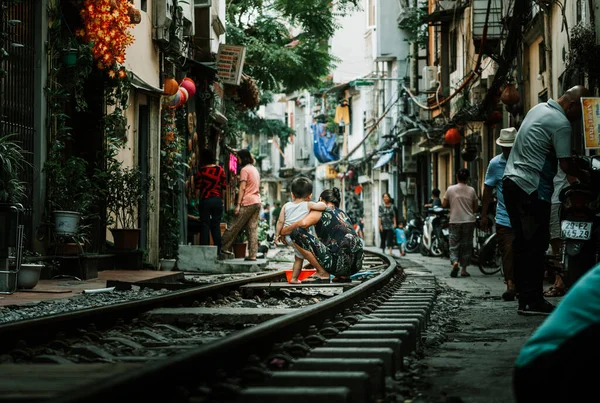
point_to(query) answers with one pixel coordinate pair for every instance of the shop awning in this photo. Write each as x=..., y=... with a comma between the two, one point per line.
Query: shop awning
x=139, y=84
x=384, y=159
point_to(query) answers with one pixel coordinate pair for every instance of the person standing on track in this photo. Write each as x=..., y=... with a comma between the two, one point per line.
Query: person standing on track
x=504, y=234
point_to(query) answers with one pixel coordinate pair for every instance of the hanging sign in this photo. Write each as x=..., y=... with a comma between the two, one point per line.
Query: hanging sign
x=591, y=122
x=230, y=63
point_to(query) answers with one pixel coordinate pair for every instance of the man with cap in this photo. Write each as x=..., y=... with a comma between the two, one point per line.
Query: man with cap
x=543, y=143
x=504, y=234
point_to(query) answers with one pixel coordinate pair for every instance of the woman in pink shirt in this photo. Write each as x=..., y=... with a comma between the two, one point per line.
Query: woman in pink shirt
x=247, y=207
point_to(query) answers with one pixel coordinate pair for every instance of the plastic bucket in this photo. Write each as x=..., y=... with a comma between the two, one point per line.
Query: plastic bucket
x=304, y=273
x=66, y=222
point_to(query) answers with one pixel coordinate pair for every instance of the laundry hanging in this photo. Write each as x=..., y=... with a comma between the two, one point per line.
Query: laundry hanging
x=342, y=113
x=325, y=147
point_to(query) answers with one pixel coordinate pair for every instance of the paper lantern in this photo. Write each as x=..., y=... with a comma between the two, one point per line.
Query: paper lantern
x=183, y=97
x=170, y=87
x=510, y=95
x=189, y=85
x=173, y=100
x=452, y=136
x=358, y=189
x=494, y=118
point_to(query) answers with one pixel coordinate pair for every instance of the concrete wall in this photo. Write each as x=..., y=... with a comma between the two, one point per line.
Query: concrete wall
x=142, y=55
x=348, y=45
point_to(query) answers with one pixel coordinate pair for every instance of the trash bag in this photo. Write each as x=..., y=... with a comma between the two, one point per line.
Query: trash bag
x=325, y=147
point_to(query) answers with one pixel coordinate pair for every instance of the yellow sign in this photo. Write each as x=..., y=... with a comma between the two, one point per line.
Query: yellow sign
x=326, y=172
x=591, y=122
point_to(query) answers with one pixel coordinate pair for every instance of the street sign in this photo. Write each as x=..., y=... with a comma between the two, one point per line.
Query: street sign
x=230, y=63
x=591, y=122
x=361, y=83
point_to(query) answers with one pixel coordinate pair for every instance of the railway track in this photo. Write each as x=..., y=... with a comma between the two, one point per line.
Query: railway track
x=174, y=348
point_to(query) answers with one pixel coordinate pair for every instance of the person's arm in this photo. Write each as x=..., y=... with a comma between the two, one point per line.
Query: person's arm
x=475, y=202
x=446, y=201
x=318, y=206
x=379, y=219
x=561, y=140
x=280, y=221
x=311, y=219
x=395, y=214
x=485, y=204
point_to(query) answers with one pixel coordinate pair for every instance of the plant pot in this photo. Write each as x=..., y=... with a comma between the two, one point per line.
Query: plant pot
x=239, y=250
x=167, y=264
x=126, y=238
x=68, y=249
x=66, y=222
x=29, y=275
x=69, y=57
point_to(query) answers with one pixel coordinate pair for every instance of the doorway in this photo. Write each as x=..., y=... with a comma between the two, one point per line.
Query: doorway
x=143, y=144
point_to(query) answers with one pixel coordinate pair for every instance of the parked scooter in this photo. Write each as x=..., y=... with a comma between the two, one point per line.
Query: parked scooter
x=434, y=241
x=579, y=222
x=413, y=234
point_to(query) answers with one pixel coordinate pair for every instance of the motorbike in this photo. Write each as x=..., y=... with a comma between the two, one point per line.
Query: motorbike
x=579, y=222
x=435, y=239
x=413, y=234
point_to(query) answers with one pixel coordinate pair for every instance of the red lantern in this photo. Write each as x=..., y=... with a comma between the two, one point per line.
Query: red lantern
x=510, y=95
x=452, y=136
x=358, y=189
x=494, y=118
x=189, y=85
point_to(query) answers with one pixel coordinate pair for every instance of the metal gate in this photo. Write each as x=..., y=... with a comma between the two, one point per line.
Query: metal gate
x=17, y=90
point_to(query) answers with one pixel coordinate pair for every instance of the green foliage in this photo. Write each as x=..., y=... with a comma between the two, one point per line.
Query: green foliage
x=172, y=178
x=263, y=230
x=583, y=55
x=12, y=163
x=415, y=26
x=69, y=188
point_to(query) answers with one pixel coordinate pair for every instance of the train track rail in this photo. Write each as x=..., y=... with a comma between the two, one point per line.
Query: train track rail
x=340, y=349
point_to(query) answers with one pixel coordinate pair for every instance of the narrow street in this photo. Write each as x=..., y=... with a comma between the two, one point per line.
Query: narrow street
x=473, y=340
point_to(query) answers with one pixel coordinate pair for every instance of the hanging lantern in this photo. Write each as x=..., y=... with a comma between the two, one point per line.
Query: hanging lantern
x=170, y=86
x=173, y=100
x=183, y=97
x=469, y=153
x=358, y=189
x=510, y=95
x=135, y=16
x=452, y=136
x=189, y=85
x=494, y=118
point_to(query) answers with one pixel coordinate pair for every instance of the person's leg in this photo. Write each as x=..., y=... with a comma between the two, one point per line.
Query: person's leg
x=204, y=214
x=454, y=246
x=390, y=239
x=239, y=223
x=215, y=207
x=382, y=236
x=313, y=250
x=514, y=198
x=504, y=237
x=296, y=269
x=252, y=229
x=539, y=231
x=466, y=246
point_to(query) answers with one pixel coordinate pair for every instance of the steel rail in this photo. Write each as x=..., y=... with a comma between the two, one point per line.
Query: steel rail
x=158, y=380
x=44, y=328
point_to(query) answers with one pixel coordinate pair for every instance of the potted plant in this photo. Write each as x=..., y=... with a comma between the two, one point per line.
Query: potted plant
x=127, y=188
x=240, y=245
x=12, y=163
x=70, y=193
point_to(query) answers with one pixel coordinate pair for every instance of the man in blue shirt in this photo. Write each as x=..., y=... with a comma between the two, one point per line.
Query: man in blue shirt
x=504, y=234
x=544, y=135
x=559, y=363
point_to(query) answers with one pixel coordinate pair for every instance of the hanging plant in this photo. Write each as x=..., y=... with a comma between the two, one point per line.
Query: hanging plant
x=106, y=25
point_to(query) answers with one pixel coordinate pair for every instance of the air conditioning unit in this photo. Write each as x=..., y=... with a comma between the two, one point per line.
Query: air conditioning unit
x=428, y=75
x=187, y=9
x=202, y=3
x=163, y=18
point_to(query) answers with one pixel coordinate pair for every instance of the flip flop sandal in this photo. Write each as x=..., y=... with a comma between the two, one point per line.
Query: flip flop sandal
x=555, y=292
x=454, y=271
x=465, y=275
x=341, y=280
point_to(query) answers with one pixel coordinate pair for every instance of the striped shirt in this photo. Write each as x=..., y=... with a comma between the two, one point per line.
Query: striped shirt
x=209, y=181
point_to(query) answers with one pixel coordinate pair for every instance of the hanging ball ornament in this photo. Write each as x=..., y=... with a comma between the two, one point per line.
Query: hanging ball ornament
x=170, y=86
x=494, y=118
x=452, y=136
x=173, y=100
x=510, y=95
x=189, y=85
x=184, y=97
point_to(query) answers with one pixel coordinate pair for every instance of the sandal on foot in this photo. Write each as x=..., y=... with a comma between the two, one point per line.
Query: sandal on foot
x=465, y=274
x=341, y=280
x=250, y=259
x=454, y=271
x=555, y=292
x=508, y=295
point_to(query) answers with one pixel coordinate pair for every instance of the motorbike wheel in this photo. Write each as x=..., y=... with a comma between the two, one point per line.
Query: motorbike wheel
x=490, y=258
x=413, y=241
x=442, y=242
x=436, y=247
x=423, y=249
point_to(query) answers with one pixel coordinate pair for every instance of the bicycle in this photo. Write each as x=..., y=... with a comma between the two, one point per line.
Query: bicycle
x=486, y=253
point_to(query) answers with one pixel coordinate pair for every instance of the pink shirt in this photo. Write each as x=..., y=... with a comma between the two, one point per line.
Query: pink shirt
x=249, y=174
x=462, y=199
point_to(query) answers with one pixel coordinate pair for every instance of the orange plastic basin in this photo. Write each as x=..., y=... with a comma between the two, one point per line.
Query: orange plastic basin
x=304, y=273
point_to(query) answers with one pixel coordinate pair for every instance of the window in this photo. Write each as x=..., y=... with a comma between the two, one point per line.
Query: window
x=542, y=54
x=579, y=11
x=371, y=12
x=453, y=50
x=144, y=6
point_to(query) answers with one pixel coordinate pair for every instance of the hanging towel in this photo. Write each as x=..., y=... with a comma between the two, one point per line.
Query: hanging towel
x=342, y=113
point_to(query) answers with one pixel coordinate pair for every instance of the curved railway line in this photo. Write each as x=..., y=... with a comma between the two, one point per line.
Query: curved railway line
x=340, y=349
